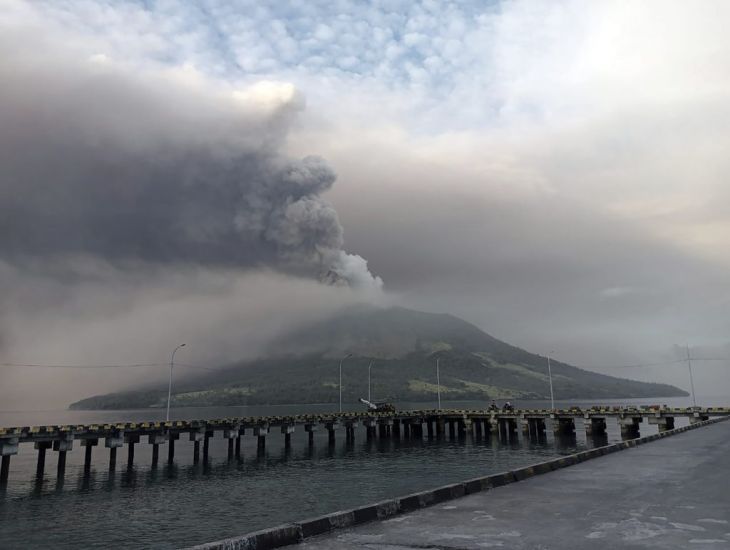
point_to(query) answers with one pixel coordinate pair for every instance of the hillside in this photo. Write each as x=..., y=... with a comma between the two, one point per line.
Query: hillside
x=403, y=346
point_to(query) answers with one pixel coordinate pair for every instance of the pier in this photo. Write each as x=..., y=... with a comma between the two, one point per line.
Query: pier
x=400, y=424
x=671, y=494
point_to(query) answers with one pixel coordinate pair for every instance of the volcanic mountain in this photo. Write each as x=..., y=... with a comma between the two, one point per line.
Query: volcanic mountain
x=402, y=346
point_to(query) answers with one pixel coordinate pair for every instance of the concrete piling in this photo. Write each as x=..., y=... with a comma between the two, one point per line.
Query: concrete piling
x=563, y=425
x=62, y=446
x=88, y=445
x=261, y=432
x=629, y=426
x=113, y=442
x=663, y=423
x=42, y=446
x=594, y=425
x=156, y=439
x=171, y=438
x=231, y=434
x=241, y=432
x=287, y=430
x=132, y=440
x=4, y=469
x=8, y=447
x=310, y=429
x=206, y=446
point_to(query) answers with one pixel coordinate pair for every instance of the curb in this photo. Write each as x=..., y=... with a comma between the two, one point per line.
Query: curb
x=293, y=533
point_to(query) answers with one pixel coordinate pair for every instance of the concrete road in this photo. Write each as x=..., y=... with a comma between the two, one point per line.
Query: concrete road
x=670, y=493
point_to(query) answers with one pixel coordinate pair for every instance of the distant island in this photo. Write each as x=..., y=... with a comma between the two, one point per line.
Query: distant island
x=402, y=345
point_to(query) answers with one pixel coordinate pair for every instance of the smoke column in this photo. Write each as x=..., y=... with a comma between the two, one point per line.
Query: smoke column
x=157, y=166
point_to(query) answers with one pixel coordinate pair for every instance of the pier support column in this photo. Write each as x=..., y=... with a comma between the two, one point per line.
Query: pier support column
x=525, y=425
x=131, y=440
x=62, y=446
x=452, y=429
x=231, y=434
x=440, y=426
x=629, y=426
x=429, y=427
x=113, y=442
x=8, y=448
x=4, y=469
x=331, y=427
x=42, y=446
x=261, y=432
x=563, y=425
x=196, y=437
x=206, y=445
x=156, y=440
x=536, y=427
x=287, y=430
x=594, y=426
x=88, y=445
x=370, y=427
x=396, y=428
x=350, y=431
x=310, y=429
x=171, y=438
x=461, y=425
x=663, y=423
x=241, y=432
x=698, y=418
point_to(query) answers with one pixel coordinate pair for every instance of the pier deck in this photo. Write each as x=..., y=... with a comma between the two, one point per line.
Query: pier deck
x=672, y=493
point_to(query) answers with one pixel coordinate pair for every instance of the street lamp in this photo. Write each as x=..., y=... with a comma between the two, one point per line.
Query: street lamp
x=370, y=366
x=550, y=377
x=341, y=360
x=691, y=382
x=169, y=385
x=438, y=383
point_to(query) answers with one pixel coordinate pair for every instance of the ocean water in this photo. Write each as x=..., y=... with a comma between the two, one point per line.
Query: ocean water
x=186, y=504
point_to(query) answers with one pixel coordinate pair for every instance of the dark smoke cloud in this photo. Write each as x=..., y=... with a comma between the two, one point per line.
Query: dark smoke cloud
x=124, y=165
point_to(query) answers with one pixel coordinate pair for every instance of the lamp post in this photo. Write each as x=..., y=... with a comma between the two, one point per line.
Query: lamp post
x=550, y=377
x=691, y=382
x=341, y=360
x=169, y=385
x=438, y=382
x=370, y=366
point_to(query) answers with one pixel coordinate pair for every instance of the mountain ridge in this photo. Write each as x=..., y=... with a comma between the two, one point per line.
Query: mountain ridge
x=402, y=345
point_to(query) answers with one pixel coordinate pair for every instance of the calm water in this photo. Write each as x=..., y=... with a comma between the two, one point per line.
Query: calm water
x=187, y=504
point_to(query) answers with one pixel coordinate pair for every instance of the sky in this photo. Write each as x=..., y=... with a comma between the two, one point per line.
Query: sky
x=554, y=172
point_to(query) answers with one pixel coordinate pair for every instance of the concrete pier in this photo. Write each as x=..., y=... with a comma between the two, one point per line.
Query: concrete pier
x=261, y=432
x=62, y=446
x=171, y=438
x=131, y=439
x=156, y=440
x=287, y=430
x=310, y=429
x=8, y=448
x=663, y=423
x=88, y=445
x=670, y=494
x=629, y=426
x=398, y=424
x=42, y=447
x=563, y=425
x=594, y=426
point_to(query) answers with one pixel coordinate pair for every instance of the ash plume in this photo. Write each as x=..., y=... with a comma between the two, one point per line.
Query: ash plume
x=126, y=165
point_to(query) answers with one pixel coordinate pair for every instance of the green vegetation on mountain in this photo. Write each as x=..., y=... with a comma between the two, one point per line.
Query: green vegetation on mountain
x=403, y=346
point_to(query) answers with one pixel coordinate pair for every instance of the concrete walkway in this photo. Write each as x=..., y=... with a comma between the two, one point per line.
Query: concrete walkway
x=670, y=493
